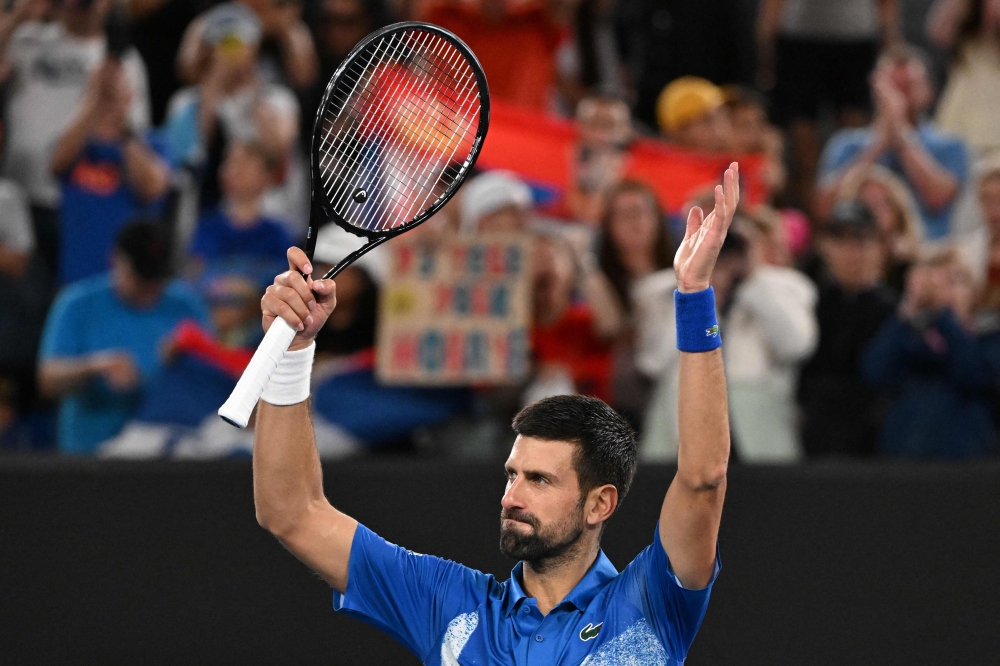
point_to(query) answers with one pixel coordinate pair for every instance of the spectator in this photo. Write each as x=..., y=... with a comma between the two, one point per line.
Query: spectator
x=691, y=113
x=587, y=63
x=495, y=201
x=662, y=40
x=934, y=165
x=895, y=213
x=571, y=342
x=970, y=29
x=50, y=64
x=233, y=103
x=178, y=413
x=636, y=254
x=751, y=133
x=816, y=54
x=944, y=361
x=109, y=174
x=156, y=27
x=605, y=130
x=101, y=342
x=840, y=414
x=288, y=54
x=769, y=326
x=237, y=235
x=515, y=42
x=989, y=202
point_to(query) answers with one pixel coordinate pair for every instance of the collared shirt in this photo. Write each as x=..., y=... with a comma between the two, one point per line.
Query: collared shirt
x=450, y=615
x=947, y=150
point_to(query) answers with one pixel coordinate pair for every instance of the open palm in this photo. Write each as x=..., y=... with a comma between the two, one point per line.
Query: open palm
x=703, y=236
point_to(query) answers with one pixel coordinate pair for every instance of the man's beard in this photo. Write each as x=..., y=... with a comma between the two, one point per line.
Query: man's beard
x=541, y=545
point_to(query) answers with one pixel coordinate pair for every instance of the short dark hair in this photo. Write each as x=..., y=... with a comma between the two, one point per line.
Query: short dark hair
x=146, y=246
x=607, y=448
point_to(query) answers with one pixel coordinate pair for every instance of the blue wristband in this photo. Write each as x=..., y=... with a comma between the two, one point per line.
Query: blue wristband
x=697, y=327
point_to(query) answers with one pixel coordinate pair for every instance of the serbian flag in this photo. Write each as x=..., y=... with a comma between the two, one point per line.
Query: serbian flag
x=542, y=150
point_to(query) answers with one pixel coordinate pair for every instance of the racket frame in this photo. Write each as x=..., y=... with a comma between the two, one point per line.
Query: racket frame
x=320, y=209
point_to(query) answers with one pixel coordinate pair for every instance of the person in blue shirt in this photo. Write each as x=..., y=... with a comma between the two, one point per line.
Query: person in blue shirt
x=569, y=469
x=933, y=164
x=101, y=343
x=109, y=175
x=236, y=234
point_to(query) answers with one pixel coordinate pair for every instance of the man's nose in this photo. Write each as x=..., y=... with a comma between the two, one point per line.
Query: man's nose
x=511, y=497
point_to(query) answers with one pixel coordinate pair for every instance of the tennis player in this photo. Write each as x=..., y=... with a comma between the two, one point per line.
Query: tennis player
x=569, y=469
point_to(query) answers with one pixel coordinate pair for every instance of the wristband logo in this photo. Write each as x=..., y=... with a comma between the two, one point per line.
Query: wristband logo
x=712, y=332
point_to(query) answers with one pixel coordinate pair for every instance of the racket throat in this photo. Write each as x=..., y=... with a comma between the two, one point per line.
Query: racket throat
x=352, y=257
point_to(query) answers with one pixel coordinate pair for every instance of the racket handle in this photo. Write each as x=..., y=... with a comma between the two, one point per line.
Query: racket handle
x=243, y=399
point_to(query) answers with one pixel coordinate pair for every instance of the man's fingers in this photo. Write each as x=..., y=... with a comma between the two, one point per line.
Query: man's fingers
x=273, y=305
x=294, y=280
x=298, y=261
x=695, y=218
x=325, y=290
x=295, y=302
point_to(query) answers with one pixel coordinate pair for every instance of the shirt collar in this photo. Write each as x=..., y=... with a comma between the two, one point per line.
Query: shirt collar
x=600, y=572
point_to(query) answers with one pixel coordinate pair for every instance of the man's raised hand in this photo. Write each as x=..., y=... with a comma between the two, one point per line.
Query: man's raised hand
x=703, y=237
x=301, y=301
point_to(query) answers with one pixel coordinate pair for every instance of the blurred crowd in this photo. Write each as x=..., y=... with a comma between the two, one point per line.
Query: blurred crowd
x=155, y=172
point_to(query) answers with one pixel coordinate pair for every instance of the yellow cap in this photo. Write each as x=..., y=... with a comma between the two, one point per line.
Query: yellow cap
x=685, y=100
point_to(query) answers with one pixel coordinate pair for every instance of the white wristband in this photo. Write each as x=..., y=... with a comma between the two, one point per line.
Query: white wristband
x=289, y=385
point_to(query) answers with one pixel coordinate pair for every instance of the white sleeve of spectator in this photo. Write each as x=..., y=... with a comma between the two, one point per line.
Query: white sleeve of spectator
x=653, y=317
x=140, y=115
x=15, y=219
x=784, y=302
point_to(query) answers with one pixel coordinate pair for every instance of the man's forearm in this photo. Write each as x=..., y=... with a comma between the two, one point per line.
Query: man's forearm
x=287, y=477
x=147, y=174
x=59, y=377
x=933, y=183
x=703, y=420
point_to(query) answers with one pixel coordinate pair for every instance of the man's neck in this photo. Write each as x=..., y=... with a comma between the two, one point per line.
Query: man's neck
x=550, y=581
x=244, y=212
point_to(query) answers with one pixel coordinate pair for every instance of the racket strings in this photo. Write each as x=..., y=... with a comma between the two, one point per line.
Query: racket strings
x=398, y=142
x=407, y=113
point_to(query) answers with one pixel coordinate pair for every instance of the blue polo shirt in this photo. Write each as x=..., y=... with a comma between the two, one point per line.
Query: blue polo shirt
x=450, y=615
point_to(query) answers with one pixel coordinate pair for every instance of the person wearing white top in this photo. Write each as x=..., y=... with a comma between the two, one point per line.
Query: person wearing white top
x=769, y=327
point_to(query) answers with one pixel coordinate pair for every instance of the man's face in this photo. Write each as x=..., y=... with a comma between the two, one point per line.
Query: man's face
x=854, y=260
x=709, y=133
x=542, y=512
x=505, y=220
x=911, y=79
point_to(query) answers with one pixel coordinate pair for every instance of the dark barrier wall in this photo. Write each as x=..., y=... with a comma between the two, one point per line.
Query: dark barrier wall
x=156, y=563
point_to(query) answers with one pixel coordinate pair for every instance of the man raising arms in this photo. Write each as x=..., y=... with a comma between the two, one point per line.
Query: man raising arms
x=570, y=467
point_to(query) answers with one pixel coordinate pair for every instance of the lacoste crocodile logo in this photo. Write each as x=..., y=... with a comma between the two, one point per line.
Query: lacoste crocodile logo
x=712, y=332
x=590, y=631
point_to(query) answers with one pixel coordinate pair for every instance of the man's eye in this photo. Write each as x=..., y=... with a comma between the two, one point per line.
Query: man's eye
x=540, y=479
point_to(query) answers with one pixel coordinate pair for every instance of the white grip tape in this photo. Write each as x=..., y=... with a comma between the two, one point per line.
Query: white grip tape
x=244, y=397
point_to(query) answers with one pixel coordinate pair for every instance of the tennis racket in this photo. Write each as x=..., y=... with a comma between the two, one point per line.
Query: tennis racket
x=399, y=128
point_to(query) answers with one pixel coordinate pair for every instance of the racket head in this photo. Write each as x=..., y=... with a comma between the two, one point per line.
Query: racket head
x=413, y=97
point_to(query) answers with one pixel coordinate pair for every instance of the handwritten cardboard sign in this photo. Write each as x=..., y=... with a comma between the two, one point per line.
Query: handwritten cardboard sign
x=455, y=313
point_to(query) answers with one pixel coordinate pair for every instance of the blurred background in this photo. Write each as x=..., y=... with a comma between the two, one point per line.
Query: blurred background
x=155, y=170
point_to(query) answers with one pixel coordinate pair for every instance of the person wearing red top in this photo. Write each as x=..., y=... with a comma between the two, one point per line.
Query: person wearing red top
x=566, y=337
x=515, y=40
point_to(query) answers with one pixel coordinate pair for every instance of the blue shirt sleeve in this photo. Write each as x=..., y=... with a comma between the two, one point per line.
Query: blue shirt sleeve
x=840, y=151
x=951, y=154
x=61, y=336
x=673, y=611
x=409, y=596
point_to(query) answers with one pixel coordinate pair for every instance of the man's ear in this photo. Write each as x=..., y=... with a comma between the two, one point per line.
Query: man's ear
x=602, y=502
